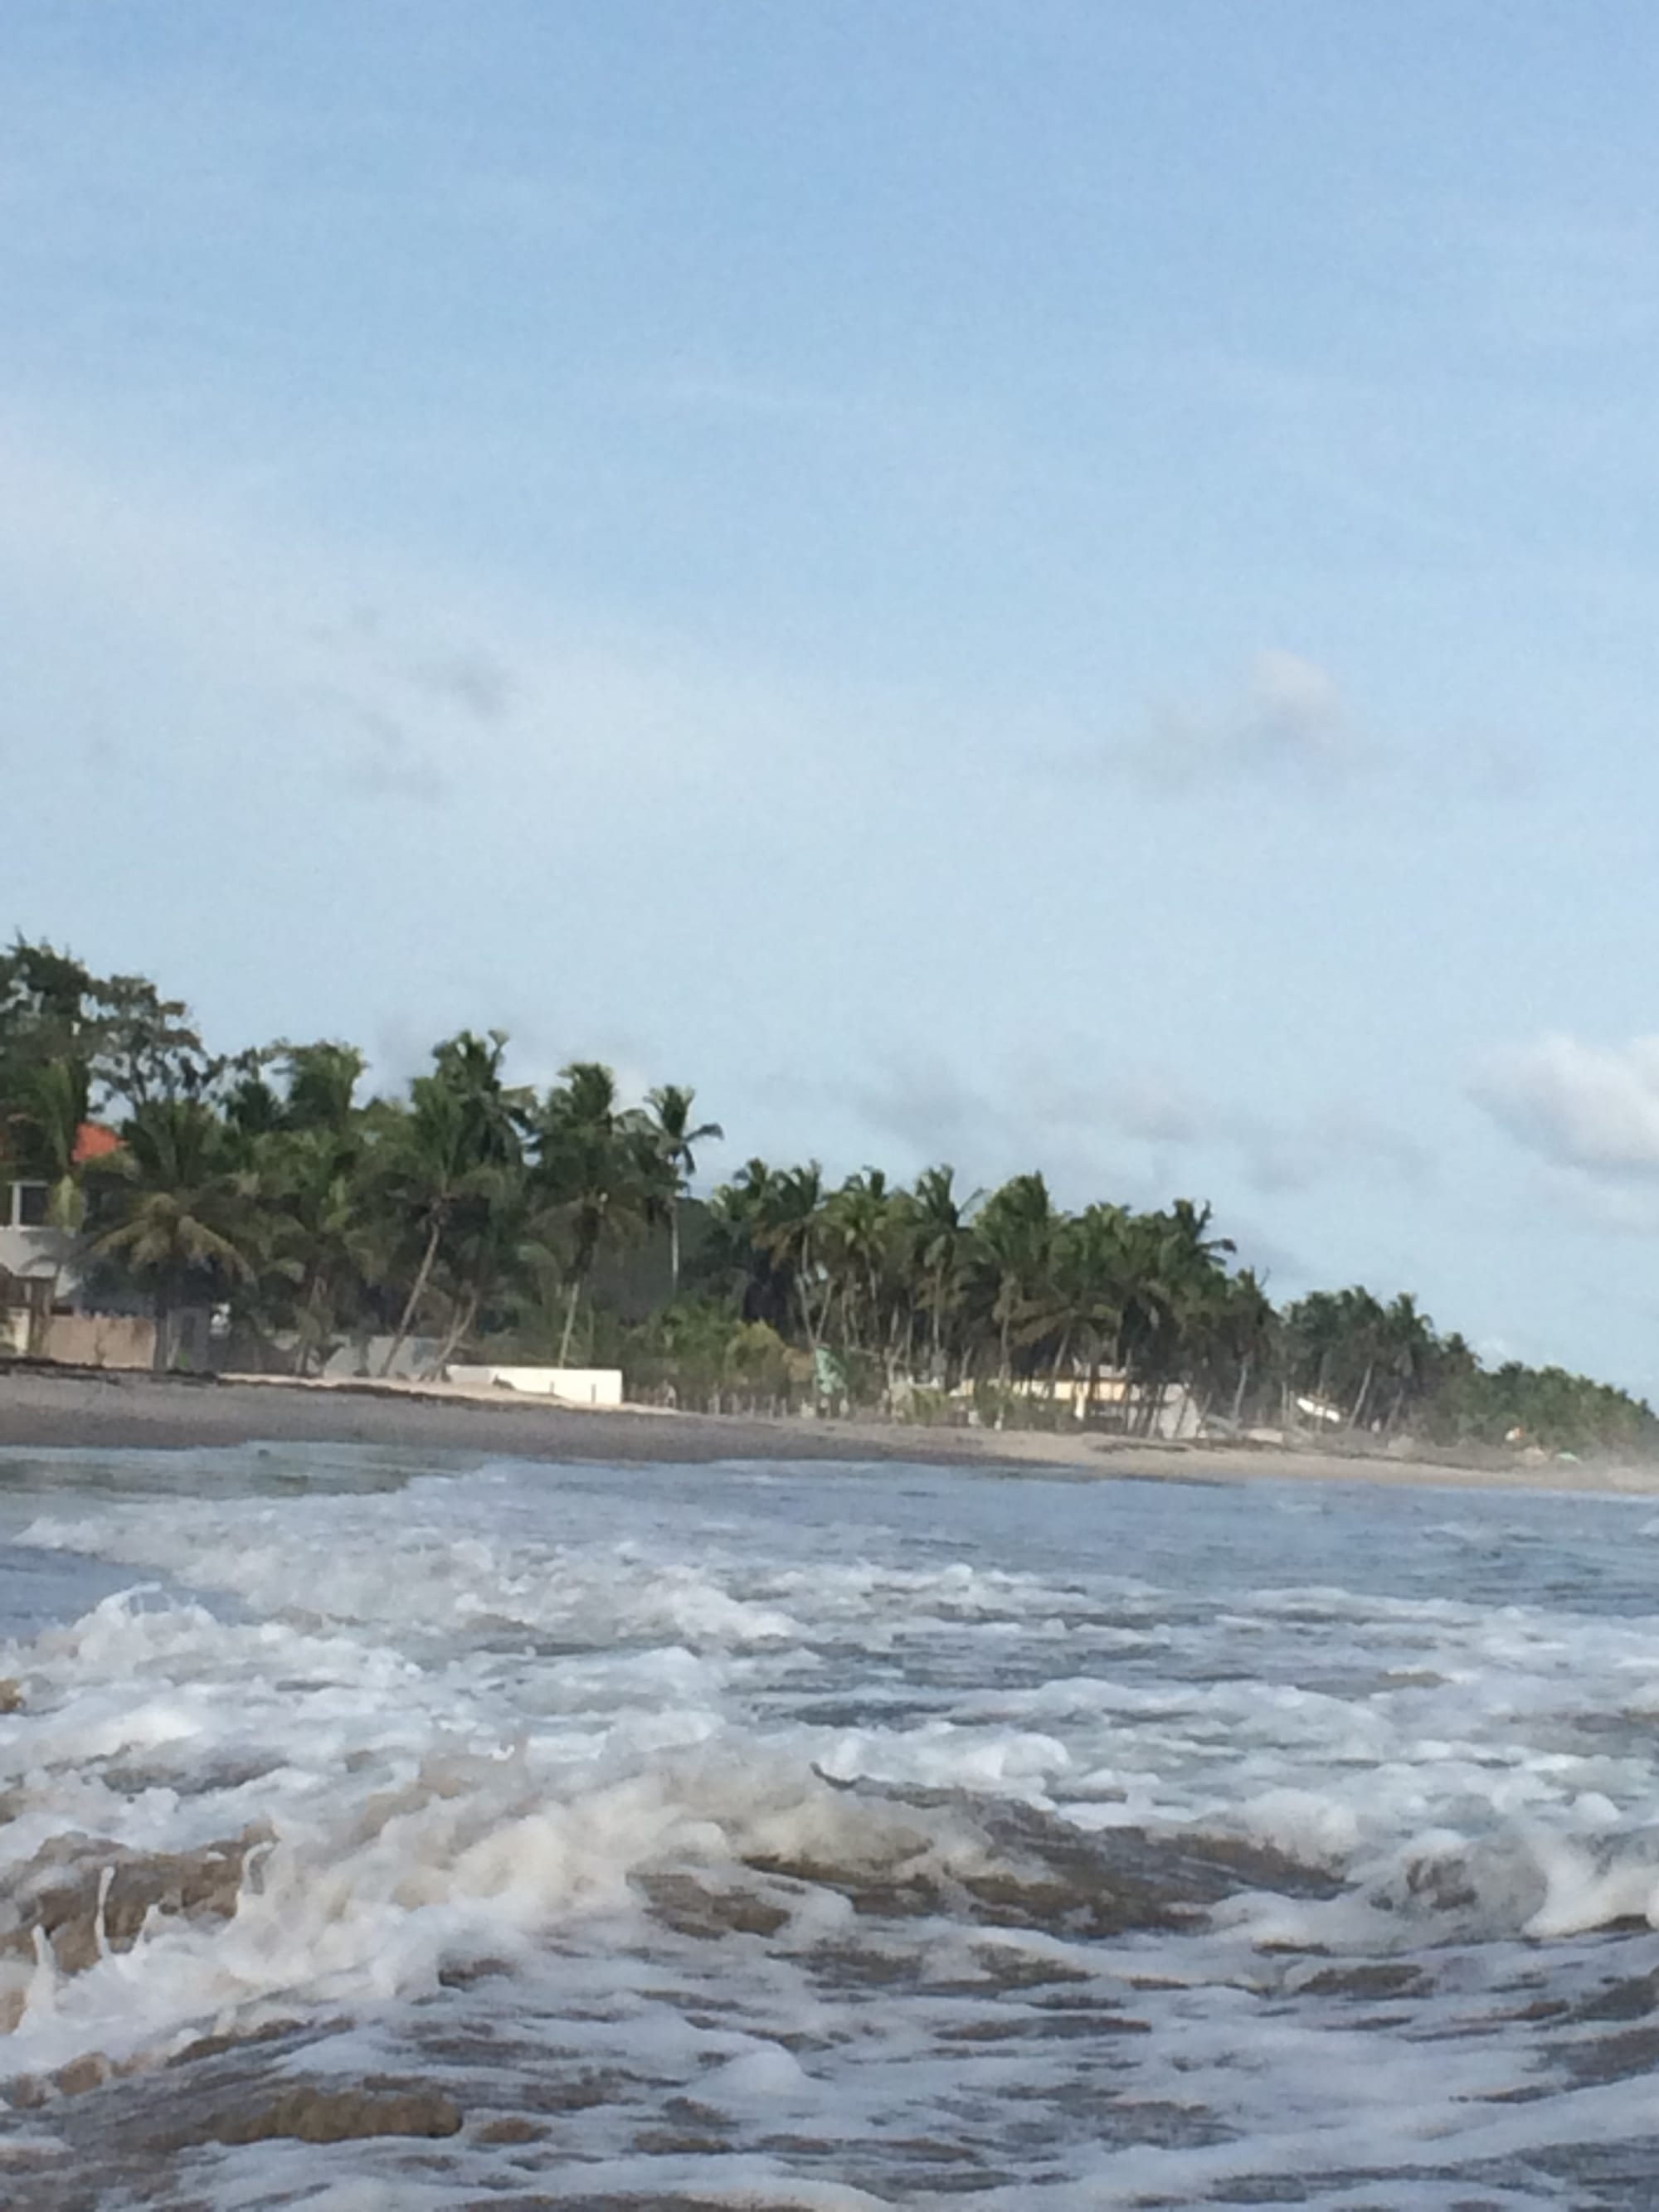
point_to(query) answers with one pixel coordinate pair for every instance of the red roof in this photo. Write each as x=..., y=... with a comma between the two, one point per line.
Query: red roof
x=95, y=1142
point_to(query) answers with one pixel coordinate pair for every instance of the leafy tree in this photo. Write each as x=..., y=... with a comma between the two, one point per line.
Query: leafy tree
x=171, y=1210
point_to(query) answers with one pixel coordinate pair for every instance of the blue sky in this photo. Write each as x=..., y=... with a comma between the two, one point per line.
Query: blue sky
x=1032, y=583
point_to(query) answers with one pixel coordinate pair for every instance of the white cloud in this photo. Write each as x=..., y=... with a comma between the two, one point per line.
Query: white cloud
x=1291, y=722
x=385, y=674
x=1592, y=1108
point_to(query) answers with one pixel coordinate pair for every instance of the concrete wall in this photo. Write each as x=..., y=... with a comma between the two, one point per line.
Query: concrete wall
x=100, y=1339
x=571, y=1386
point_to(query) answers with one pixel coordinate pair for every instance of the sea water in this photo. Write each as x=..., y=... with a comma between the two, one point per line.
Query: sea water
x=826, y=1836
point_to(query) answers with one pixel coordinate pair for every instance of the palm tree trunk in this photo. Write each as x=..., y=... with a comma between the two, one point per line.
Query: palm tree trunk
x=312, y=1307
x=1152, y=1406
x=1059, y=1362
x=1365, y=1393
x=570, y=1319
x=806, y=1313
x=417, y=1292
x=673, y=1248
x=1239, y=1394
x=459, y=1328
x=161, y=1357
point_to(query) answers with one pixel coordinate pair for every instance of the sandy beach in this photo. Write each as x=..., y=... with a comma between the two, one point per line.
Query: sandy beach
x=109, y=1410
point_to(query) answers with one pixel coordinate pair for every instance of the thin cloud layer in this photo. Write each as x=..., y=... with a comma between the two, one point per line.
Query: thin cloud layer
x=1595, y=1108
x=1100, y=1137
x=1291, y=724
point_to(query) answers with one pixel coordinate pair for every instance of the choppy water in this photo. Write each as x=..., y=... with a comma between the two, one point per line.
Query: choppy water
x=826, y=1838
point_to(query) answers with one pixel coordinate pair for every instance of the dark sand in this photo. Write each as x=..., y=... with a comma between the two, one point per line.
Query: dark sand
x=108, y=1409
x=84, y=1410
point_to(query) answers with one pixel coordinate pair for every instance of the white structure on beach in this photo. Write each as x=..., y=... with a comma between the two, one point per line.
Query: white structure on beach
x=571, y=1386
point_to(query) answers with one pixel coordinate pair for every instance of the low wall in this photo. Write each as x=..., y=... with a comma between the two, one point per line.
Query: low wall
x=100, y=1340
x=571, y=1386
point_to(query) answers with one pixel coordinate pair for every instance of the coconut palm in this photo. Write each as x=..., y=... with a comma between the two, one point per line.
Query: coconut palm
x=1013, y=1250
x=49, y=1113
x=1091, y=1284
x=461, y=1135
x=305, y=1150
x=670, y=1109
x=172, y=1209
x=599, y=1171
x=788, y=1227
x=939, y=1243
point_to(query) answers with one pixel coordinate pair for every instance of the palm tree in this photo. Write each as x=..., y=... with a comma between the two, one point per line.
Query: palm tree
x=1092, y=1284
x=939, y=1243
x=857, y=1227
x=1250, y=1333
x=1181, y=1298
x=460, y=1134
x=1336, y=1341
x=1406, y=1354
x=50, y=1112
x=306, y=1153
x=789, y=1224
x=41, y=1135
x=598, y=1166
x=670, y=1107
x=174, y=1211
x=1014, y=1239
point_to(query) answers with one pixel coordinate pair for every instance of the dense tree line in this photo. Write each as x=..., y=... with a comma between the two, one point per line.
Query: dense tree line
x=474, y=1216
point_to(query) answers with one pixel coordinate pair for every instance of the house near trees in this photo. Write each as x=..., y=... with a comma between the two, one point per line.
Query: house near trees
x=43, y=1310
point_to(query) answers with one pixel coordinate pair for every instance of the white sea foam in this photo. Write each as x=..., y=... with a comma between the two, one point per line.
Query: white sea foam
x=862, y=1832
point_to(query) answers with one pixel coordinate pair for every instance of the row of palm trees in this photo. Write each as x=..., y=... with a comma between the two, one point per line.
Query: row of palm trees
x=935, y=1287
x=926, y=1297
x=317, y=1217
x=475, y=1214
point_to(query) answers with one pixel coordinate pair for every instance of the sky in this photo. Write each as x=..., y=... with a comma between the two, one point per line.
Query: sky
x=1027, y=583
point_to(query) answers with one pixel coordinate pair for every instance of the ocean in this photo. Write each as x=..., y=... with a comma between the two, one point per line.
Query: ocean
x=822, y=1837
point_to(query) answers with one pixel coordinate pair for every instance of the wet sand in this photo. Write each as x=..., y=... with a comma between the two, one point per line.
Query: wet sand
x=81, y=1410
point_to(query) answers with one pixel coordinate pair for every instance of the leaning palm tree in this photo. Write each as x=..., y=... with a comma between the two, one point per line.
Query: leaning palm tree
x=461, y=1136
x=599, y=1171
x=668, y=1109
x=174, y=1211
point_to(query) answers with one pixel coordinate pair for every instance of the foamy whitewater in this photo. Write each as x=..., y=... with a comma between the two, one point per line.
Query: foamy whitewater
x=824, y=1837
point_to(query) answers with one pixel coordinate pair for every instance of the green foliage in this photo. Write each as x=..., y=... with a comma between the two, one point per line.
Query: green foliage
x=478, y=1214
x=169, y=1209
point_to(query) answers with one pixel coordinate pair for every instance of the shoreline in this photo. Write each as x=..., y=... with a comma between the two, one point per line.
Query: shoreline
x=115, y=1409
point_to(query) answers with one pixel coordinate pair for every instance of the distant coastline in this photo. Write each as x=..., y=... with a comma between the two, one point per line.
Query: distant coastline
x=169, y=1208
x=87, y=1410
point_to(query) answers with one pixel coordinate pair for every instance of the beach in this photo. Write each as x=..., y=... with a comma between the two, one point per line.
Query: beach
x=111, y=1410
